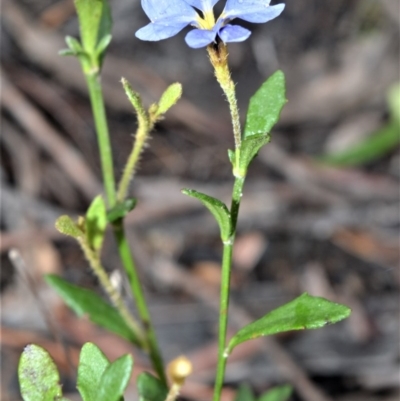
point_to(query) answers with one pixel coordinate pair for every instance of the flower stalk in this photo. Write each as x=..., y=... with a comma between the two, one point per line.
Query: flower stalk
x=218, y=55
x=145, y=125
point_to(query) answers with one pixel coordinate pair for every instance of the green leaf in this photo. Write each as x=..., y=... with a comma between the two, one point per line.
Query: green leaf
x=105, y=26
x=92, y=364
x=66, y=52
x=249, y=149
x=135, y=99
x=217, y=208
x=304, y=312
x=150, y=388
x=372, y=148
x=103, y=44
x=266, y=105
x=38, y=375
x=171, y=95
x=96, y=223
x=86, y=302
x=244, y=393
x=232, y=156
x=120, y=210
x=281, y=393
x=378, y=144
x=65, y=225
x=73, y=44
x=89, y=14
x=115, y=379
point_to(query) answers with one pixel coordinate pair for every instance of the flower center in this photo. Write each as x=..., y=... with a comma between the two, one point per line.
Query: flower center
x=208, y=21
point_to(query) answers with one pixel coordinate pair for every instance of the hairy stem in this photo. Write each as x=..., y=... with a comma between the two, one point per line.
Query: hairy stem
x=145, y=125
x=111, y=291
x=219, y=59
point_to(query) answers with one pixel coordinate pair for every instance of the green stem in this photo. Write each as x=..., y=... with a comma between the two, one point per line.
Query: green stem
x=103, y=137
x=225, y=286
x=137, y=291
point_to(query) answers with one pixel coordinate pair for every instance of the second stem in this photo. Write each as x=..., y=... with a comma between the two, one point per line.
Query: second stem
x=225, y=289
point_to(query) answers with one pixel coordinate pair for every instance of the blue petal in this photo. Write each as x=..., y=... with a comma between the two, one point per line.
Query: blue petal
x=203, y=5
x=158, y=31
x=233, y=33
x=256, y=11
x=162, y=9
x=200, y=38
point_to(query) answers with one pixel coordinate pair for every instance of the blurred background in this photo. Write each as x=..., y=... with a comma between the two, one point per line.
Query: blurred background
x=320, y=209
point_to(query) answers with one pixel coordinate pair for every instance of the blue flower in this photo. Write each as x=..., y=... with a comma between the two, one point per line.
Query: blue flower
x=169, y=17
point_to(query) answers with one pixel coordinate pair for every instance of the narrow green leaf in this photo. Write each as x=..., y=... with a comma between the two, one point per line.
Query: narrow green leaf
x=105, y=25
x=232, y=156
x=115, y=379
x=92, y=364
x=135, y=99
x=120, y=210
x=65, y=225
x=171, y=95
x=304, y=312
x=96, y=223
x=150, y=388
x=281, y=393
x=378, y=143
x=249, y=149
x=86, y=302
x=266, y=105
x=90, y=15
x=244, y=393
x=66, y=52
x=38, y=375
x=217, y=208
x=372, y=148
x=103, y=44
x=73, y=44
